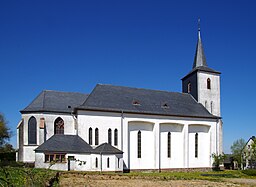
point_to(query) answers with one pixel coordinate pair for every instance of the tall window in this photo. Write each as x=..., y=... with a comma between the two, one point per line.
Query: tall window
x=115, y=137
x=96, y=162
x=211, y=106
x=96, y=136
x=109, y=136
x=189, y=87
x=196, y=145
x=59, y=126
x=90, y=136
x=32, y=130
x=208, y=83
x=139, y=144
x=108, y=162
x=169, y=145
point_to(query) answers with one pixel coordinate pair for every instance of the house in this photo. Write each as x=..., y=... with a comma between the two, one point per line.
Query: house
x=116, y=128
x=247, y=154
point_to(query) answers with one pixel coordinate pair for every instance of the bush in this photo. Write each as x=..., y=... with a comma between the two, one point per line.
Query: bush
x=8, y=156
x=250, y=172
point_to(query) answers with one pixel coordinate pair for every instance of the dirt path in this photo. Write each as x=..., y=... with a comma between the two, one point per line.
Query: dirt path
x=248, y=182
x=117, y=181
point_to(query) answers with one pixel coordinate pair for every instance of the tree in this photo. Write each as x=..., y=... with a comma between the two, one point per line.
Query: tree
x=236, y=149
x=5, y=133
x=217, y=160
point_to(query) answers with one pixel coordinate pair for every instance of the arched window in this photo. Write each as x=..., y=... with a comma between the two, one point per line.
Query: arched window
x=189, y=87
x=90, y=136
x=205, y=104
x=118, y=162
x=96, y=136
x=108, y=162
x=32, y=130
x=115, y=137
x=59, y=126
x=208, y=83
x=169, y=145
x=96, y=162
x=211, y=106
x=139, y=144
x=109, y=136
x=196, y=145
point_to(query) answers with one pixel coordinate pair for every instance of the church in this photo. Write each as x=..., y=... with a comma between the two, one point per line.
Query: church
x=117, y=128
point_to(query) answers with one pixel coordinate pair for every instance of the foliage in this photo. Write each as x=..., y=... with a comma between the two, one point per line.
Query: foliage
x=217, y=160
x=249, y=172
x=5, y=133
x=20, y=176
x=7, y=148
x=236, y=149
x=7, y=156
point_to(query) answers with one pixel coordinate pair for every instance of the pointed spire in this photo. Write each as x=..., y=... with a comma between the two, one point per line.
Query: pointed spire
x=200, y=59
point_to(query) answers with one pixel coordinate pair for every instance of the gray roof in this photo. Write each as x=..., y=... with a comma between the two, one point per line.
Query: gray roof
x=106, y=148
x=55, y=101
x=143, y=101
x=200, y=59
x=65, y=144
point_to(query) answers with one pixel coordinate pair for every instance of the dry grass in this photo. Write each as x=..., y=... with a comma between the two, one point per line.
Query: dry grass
x=73, y=179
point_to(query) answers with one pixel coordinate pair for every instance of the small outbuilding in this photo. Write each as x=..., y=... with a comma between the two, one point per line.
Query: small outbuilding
x=71, y=152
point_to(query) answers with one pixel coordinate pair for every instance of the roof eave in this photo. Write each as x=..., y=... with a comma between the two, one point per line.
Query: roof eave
x=147, y=113
x=200, y=70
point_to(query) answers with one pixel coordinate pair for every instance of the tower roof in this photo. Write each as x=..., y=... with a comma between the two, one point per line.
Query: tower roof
x=200, y=59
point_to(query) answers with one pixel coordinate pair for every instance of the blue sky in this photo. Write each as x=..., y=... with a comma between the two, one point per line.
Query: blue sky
x=73, y=45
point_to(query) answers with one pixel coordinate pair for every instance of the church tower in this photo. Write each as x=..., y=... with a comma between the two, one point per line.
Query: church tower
x=202, y=82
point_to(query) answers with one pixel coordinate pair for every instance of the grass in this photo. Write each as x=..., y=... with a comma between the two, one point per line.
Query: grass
x=20, y=176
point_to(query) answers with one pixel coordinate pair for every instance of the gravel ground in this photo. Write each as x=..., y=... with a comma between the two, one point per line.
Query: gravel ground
x=118, y=181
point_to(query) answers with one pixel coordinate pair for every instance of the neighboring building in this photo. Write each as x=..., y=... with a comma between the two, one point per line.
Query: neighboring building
x=248, y=160
x=144, y=129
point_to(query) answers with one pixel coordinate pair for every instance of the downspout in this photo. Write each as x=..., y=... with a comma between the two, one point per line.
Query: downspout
x=100, y=161
x=122, y=118
x=75, y=121
x=217, y=136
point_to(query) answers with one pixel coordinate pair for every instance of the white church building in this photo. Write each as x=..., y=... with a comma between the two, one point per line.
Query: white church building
x=116, y=128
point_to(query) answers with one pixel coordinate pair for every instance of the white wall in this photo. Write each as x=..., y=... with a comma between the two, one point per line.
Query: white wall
x=209, y=95
x=40, y=157
x=177, y=145
x=102, y=121
x=204, y=150
x=147, y=160
x=28, y=150
x=154, y=132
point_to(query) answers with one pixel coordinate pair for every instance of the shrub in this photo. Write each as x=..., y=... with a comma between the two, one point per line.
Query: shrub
x=250, y=172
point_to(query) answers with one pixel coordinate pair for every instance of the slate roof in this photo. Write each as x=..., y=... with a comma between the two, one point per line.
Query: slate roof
x=200, y=59
x=65, y=144
x=201, y=68
x=55, y=101
x=143, y=101
x=200, y=63
x=106, y=148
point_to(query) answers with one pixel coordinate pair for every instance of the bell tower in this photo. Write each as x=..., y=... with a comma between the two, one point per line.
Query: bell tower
x=202, y=82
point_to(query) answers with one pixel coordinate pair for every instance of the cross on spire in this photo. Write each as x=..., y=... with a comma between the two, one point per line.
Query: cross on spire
x=199, y=59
